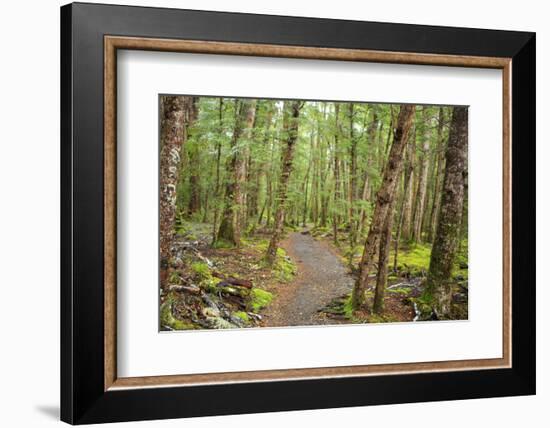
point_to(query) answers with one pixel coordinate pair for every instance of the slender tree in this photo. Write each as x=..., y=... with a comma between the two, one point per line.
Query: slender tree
x=383, y=200
x=217, y=188
x=440, y=156
x=230, y=227
x=291, y=111
x=422, y=176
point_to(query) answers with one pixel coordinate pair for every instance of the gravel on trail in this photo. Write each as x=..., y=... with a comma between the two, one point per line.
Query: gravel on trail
x=321, y=277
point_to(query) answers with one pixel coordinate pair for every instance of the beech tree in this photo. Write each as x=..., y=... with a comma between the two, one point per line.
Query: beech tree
x=291, y=112
x=383, y=201
x=447, y=238
x=422, y=176
x=230, y=226
x=178, y=113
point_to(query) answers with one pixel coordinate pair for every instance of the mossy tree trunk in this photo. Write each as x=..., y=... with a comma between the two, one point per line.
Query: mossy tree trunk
x=230, y=226
x=383, y=200
x=438, y=176
x=407, y=208
x=291, y=111
x=438, y=285
x=177, y=115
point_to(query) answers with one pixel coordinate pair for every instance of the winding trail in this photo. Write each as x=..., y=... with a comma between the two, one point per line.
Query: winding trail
x=321, y=277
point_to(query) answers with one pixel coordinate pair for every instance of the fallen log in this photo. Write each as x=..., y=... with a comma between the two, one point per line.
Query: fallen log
x=193, y=289
x=232, y=281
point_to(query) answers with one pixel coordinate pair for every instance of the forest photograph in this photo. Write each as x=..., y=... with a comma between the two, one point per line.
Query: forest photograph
x=282, y=212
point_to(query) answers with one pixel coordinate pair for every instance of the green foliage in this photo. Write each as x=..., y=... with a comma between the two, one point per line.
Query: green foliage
x=259, y=299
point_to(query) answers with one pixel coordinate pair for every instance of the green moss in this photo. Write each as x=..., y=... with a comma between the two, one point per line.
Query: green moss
x=211, y=284
x=414, y=259
x=424, y=304
x=348, y=308
x=285, y=270
x=348, y=311
x=201, y=271
x=242, y=315
x=173, y=278
x=259, y=299
x=222, y=243
x=375, y=318
x=258, y=244
x=167, y=319
x=399, y=290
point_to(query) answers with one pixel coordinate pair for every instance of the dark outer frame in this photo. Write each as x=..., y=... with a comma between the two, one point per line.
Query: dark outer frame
x=83, y=397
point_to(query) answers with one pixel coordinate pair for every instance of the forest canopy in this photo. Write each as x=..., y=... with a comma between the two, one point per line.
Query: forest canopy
x=292, y=212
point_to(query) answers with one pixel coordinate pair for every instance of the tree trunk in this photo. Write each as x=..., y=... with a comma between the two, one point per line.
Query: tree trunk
x=422, y=178
x=438, y=176
x=245, y=172
x=306, y=182
x=194, y=180
x=218, y=167
x=353, y=192
x=290, y=125
x=438, y=285
x=405, y=199
x=383, y=200
x=230, y=227
x=176, y=118
x=383, y=257
x=336, y=166
x=409, y=189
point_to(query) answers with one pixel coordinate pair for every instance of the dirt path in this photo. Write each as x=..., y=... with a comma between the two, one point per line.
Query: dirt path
x=321, y=277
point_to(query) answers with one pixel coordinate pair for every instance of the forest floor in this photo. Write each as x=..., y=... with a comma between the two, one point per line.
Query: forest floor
x=309, y=284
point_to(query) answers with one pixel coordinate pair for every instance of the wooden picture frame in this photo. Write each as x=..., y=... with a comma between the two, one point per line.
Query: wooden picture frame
x=91, y=390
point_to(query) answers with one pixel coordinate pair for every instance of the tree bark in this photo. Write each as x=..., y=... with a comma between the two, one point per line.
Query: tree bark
x=177, y=116
x=383, y=200
x=218, y=167
x=290, y=124
x=422, y=178
x=438, y=285
x=383, y=257
x=409, y=189
x=336, y=166
x=438, y=177
x=230, y=227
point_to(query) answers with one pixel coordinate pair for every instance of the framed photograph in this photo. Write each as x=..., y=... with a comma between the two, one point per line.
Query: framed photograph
x=310, y=213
